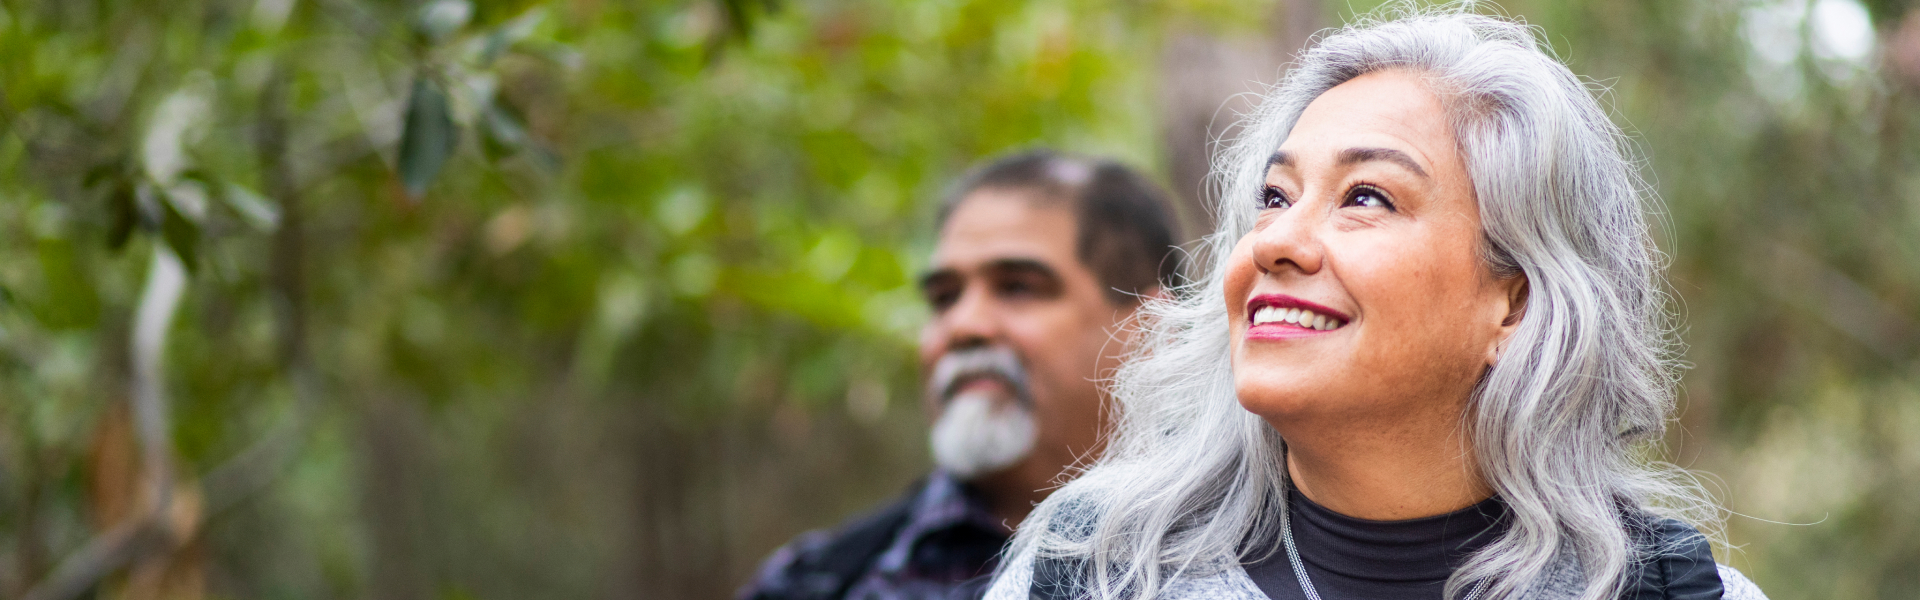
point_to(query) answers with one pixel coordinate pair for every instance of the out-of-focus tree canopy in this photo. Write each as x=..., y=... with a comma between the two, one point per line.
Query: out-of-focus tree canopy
x=588, y=298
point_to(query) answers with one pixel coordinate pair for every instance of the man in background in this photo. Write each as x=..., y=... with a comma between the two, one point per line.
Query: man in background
x=1041, y=262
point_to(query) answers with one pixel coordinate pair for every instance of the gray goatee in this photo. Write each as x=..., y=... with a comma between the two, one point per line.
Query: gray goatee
x=978, y=433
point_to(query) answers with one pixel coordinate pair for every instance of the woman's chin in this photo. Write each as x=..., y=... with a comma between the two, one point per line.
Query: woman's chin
x=1292, y=401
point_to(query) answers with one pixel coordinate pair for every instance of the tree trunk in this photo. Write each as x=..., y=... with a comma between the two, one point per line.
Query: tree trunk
x=1208, y=84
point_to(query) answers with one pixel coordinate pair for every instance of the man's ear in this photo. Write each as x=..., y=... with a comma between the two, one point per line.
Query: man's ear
x=1516, y=291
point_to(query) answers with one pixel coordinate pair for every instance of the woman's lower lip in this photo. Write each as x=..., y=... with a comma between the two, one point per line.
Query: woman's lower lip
x=1276, y=331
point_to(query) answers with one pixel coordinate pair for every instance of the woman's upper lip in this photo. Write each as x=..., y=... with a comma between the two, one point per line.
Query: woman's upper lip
x=1285, y=301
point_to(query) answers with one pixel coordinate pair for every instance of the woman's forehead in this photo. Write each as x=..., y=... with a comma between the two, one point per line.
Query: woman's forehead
x=1387, y=109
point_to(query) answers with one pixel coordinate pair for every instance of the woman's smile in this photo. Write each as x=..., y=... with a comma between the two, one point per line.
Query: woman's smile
x=1279, y=316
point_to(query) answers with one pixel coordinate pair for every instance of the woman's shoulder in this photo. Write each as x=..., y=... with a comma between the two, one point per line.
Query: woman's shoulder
x=1737, y=586
x=1043, y=578
x=1013, y=580
x=1681, y=559
x=1677, y=564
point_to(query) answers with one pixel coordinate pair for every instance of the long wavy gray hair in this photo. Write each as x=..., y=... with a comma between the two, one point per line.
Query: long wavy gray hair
x=1560, y=427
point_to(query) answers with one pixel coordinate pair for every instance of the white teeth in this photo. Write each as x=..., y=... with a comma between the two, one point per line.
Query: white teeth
x=1297, y=316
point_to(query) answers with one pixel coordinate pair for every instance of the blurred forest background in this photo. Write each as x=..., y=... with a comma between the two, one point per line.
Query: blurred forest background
x=607, y=299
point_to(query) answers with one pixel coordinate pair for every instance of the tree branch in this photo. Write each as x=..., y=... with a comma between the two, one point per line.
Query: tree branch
x=155, y=523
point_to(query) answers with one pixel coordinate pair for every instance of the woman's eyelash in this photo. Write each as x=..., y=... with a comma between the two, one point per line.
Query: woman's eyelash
x=1272, y=197
x=1368, y=189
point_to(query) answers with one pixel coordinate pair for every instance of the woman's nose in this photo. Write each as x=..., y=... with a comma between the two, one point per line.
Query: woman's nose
x=1289, y=241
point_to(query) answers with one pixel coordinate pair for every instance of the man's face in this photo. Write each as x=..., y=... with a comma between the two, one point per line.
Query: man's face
x=1005, y=277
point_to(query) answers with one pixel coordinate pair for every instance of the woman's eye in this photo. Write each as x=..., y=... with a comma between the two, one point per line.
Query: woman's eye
x=1272, y=197
x=1368, y=196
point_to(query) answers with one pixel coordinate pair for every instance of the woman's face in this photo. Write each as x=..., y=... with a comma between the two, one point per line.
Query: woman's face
x=1360, y=294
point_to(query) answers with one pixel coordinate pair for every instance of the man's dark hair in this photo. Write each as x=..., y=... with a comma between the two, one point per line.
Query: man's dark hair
x=1125, y=226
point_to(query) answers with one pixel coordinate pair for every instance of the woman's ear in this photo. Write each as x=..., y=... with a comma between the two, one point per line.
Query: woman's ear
x=1516, y=290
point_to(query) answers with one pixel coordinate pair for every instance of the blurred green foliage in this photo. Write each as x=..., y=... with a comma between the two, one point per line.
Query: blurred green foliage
x=607, y=299
x=593, y=297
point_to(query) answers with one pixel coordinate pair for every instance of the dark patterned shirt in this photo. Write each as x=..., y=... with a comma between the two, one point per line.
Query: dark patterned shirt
x=937, y=541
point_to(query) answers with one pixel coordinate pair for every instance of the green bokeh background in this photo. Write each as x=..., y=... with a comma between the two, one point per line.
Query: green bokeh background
x=592, y=298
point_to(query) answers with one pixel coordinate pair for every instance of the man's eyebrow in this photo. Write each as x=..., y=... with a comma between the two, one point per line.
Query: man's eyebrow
x=1022, y=264
x=1360, y=155
x=935, y=276
x=1028, y=265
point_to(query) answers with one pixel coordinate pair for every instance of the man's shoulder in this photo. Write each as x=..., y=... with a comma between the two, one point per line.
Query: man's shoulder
x=824, y=563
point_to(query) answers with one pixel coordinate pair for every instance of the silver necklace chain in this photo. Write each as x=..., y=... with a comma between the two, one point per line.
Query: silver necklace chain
x=1300, y=568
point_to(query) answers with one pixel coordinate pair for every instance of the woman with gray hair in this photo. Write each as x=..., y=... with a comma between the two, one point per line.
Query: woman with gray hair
x=1426, y=359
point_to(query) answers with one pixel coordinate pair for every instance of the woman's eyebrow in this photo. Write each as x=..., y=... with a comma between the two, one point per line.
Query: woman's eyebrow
x=1357, y=155
x=1360, y=155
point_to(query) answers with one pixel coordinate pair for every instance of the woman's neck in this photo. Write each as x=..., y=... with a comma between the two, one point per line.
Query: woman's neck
x=1390, y=474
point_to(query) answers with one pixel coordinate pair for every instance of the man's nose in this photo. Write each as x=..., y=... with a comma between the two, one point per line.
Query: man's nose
x=973, y=320
x=1290, y=241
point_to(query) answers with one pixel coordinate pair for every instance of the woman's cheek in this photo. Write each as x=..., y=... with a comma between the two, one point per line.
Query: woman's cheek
x=1239, y=280
x=1379, y=275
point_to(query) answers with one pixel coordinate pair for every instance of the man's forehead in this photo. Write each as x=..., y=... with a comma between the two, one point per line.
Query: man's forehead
x=990, y=226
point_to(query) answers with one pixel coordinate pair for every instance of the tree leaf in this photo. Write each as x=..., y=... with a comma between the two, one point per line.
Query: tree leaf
x=510, y=33
x=122, y=215
x=503, y=130
x=182, y=235
x=429, y=136
x=189, y=197
x=440, y=18
x=254, y=208
x=149, y=211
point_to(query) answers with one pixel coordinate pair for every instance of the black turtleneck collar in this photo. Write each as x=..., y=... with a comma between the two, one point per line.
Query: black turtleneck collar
x=1349, y=558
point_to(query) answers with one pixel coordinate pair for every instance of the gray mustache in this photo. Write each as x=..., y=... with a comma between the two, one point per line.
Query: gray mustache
x=991, y=361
